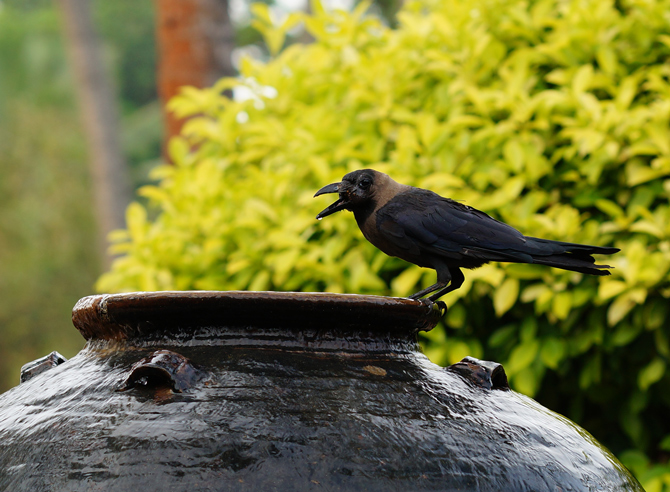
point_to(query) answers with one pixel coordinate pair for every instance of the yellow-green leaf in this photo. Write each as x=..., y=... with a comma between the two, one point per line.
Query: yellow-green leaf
x=552, y=352
x=618, y=309
x=561, y=305
x=505, y=296
x=611, y=288
x=651, y=373
x=404, y=283
x=522, y=356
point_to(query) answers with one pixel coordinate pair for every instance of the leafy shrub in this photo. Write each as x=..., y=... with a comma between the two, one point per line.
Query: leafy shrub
x=552, y=115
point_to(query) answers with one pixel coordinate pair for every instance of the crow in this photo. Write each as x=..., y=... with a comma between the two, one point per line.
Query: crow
x=431, y=231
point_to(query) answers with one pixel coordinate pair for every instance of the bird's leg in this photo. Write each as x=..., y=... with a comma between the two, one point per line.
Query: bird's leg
x=443, y=278
x=457, y=279
x=428, y=290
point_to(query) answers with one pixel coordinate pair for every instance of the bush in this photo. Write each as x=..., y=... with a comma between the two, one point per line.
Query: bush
x=551, y=115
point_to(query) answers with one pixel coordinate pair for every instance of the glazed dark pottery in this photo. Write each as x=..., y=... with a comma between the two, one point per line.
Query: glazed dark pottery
x=259, y=391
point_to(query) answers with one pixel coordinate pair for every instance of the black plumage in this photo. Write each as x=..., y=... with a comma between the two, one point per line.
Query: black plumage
x=431, y=231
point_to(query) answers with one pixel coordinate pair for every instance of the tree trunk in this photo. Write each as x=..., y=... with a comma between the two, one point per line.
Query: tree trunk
x=195, y=43
x=111, y=182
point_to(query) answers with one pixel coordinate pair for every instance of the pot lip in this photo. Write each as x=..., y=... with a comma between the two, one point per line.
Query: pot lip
x=139, y=314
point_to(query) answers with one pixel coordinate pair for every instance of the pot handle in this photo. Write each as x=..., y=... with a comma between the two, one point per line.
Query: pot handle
x=483, y=373
x=162, y=369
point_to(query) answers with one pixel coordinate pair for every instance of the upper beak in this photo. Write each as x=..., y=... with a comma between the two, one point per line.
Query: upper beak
x=335, y=207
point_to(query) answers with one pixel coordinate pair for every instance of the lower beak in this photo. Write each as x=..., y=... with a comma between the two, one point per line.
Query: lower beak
x=335, y=207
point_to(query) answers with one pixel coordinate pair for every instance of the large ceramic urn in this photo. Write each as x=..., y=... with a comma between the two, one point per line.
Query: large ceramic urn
x=260, y=391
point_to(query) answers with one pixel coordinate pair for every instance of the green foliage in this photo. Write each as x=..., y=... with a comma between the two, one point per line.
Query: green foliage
x=46, y=225
x=655, y=478
x=552, y=115
x=31, y=66
x=128, y=29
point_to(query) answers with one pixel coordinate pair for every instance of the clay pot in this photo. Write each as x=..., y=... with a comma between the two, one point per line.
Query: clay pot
x=259, y=391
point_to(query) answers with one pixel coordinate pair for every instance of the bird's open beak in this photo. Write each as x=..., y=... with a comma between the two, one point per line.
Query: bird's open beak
x=340, y=204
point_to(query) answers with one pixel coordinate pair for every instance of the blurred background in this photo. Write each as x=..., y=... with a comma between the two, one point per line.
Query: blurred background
x=551, y=114
x=50, y=250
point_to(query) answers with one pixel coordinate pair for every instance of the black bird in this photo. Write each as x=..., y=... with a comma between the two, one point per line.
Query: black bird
x=431, y=231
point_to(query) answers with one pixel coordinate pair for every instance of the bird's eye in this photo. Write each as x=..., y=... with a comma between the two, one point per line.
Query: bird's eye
x=365, y=183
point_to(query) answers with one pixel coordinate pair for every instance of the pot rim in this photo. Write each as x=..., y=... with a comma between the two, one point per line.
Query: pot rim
x=141, y=314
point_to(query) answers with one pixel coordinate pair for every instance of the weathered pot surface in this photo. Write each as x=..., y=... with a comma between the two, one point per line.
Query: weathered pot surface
x=209, y=391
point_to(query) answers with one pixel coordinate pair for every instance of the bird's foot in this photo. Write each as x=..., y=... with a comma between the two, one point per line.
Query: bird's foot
x=441, y=305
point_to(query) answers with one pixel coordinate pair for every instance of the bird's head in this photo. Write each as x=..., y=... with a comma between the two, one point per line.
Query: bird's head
x=356, y=189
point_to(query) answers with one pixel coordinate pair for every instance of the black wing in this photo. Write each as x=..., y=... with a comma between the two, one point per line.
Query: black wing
x=420, y=220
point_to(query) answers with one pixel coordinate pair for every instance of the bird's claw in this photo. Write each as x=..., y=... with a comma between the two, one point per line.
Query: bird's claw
x=441, y=305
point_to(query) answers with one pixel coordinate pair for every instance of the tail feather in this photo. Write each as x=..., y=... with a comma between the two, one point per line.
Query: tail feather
x=574, y=248
x=572, y=256
x=574, y=263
